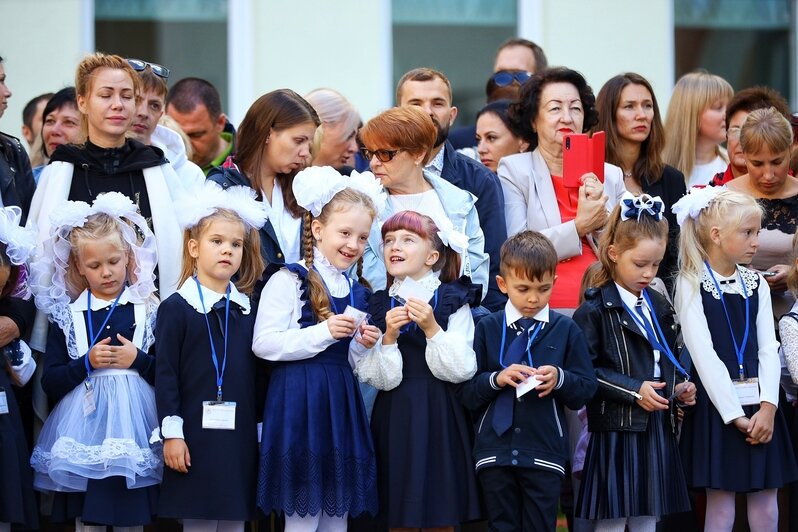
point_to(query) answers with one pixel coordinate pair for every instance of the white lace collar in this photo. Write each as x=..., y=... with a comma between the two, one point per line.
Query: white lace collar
x=749, y=277
x=81, y=304
x=188, y=291
x=336, y=280
x=430, y=281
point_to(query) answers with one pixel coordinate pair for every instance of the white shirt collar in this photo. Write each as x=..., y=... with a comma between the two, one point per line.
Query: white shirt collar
x=430, y=281
x=512, y=315
x=82, y=302
x=436, y=164
x=188, y=291
x=629, y=299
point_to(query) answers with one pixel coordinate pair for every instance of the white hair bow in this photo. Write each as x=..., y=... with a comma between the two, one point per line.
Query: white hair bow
x=210, y=196
x=696, y=199
x=314, y=187
x=634, y=206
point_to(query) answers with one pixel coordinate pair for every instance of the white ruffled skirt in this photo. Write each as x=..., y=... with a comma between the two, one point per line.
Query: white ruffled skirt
x=111, y=441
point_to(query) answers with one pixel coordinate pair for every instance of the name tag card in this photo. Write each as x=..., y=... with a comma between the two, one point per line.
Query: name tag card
x=3, y=402
x=747, y=391
x=219, y=415
x=527, y=386
x=88, y=399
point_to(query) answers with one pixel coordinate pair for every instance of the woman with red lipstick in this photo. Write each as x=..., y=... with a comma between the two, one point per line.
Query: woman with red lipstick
x=553, y=103
x=765, y=138
x=107, y=89
x=496, y=137
x=629, y=115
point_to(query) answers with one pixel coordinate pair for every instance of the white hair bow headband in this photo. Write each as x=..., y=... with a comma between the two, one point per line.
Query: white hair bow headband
x=450, y=236
x=20, y=242
x=204, y=200
x=315, y=186
x=634, y=206
x=694, y=202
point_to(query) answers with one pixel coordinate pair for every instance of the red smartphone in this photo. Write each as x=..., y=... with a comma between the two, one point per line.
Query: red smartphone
x=582, y=155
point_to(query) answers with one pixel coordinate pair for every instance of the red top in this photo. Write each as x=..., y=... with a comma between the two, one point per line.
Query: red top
x=569, y=271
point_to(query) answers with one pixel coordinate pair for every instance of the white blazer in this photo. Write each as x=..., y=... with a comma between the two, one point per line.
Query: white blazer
x=530, y=201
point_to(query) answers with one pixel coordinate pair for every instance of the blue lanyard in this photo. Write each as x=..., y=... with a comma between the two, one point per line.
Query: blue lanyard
x=329, y=295
x=219, y=375
x=662, y=347
x=100, y=330
x=738, y=349
x=535, y=330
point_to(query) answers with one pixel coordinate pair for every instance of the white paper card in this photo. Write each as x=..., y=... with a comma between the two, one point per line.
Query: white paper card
x=747, y=391
x=412, y=288
x=218, y=415
x=527, y=386
x=3, y=402
x=88, y=399
x=358, y=315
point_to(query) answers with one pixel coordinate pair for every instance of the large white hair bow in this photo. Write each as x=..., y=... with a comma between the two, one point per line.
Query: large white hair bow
x=694, y=202
x=634, y=206
x=315, y=186
x=204, y=200
x=20, y=241
x=450, y=236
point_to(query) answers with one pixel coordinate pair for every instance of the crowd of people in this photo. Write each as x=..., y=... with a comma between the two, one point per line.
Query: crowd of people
x=311, y=323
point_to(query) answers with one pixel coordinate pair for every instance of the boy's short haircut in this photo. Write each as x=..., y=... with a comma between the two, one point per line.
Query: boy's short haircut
x=151, y=82
x=530, y=254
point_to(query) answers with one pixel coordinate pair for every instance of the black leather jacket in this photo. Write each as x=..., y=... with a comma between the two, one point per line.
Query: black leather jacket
x=622, y=358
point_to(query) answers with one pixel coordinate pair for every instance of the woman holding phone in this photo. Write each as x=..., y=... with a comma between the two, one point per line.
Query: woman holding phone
x=553, y=103
x=629, y=115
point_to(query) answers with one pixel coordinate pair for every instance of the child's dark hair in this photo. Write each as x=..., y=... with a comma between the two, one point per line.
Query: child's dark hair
x=13, y=273
x=528, y=254
x=342, y=201
x=624, y=235
x=252, y=266
x=448, y=261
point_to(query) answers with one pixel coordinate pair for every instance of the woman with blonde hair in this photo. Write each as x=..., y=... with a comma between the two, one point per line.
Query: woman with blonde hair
x=695, y=127
x=335, y=143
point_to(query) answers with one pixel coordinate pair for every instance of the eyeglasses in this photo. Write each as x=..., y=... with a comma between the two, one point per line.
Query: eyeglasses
x=139, y=66
x=382, y=155
x=502, y=78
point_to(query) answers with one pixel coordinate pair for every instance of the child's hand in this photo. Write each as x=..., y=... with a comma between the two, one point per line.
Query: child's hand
x=175, y=454
x=760, y=428
x=100, y=355
x=513, y=375
x=685, y=393
x=742, y=423
x=369, y=335
x=651, y=400
x=421, y=312
x=395, y=319
x=341, y=326
x=125, y=354
x=547, y=375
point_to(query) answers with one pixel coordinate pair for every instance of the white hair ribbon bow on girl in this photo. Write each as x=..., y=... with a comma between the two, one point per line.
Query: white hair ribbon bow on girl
x=20, y=241
x=634, y=206
x=314, y=187
x=450, y=236
x=694, y=202
x=206, y=199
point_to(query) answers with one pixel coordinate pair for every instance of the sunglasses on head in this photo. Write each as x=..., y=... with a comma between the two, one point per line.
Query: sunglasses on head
x=139, y=66
x=382, y=155
x=502, y=78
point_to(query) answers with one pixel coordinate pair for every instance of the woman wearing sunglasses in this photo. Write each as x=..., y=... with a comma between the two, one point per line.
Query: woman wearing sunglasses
x=397, y=143
x=273, y=144
x=553, y=103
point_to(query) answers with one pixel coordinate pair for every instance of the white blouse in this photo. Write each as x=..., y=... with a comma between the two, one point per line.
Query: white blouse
x=714, y=375
x=277, y=335
x=449, y=354
x=286, y=227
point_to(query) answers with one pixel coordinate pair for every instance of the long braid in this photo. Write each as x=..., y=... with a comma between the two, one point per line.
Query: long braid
x=362, y=280
x=319, y=301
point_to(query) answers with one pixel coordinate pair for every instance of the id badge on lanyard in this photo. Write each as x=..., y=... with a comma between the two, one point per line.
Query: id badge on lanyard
x=747, y=391
x=3, y=402
x=219, y=415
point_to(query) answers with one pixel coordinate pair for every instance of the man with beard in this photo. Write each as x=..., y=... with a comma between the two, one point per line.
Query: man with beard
x=430, y=90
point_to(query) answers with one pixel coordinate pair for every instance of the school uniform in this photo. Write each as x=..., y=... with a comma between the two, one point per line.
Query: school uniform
x=521, y=443
x=714, y=452
x=220, y=483
x=94, y=449
x=632, y=465
x=421, y=430
x=317, y=454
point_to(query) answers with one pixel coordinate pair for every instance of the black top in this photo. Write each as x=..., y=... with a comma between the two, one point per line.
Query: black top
x=16, y=178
